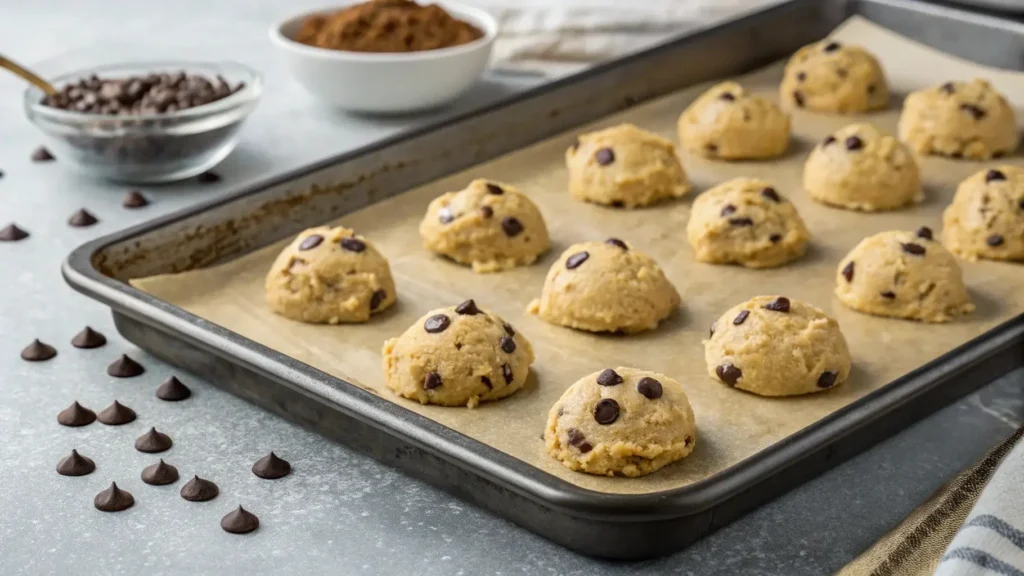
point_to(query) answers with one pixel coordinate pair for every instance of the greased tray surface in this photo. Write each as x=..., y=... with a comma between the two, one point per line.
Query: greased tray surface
x=732, y=425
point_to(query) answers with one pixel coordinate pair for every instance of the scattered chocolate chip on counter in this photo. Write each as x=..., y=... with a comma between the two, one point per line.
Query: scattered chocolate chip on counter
x=199, y=490
x=12, y=233
x=88, y=339
x=82, y=219
x=38, y=352
x=134, y=199
x=76, y=415
x=75, y=464
x=172, y=390
x=160, y=474
x=208, y=178
x=116, y=414
x=240, y=521
x=153, y=442
x=125, y=367
x=156, y=93
x=271, y=467
x=113, y=499
x=41, y=154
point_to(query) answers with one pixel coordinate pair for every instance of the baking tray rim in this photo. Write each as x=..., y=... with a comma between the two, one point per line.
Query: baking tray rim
x=465, y=452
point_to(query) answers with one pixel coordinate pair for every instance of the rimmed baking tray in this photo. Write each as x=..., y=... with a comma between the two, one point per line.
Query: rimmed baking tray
x=595, y=522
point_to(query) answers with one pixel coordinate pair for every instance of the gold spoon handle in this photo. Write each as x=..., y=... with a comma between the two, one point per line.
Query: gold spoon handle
x=27, y=75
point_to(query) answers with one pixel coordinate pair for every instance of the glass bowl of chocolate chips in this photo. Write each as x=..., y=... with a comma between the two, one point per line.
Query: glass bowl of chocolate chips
x=145, y=122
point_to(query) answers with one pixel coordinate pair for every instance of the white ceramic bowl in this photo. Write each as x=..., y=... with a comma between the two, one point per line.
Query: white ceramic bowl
x=374, y=82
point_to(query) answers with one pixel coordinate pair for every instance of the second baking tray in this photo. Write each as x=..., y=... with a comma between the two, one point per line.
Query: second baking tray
x=608, y=517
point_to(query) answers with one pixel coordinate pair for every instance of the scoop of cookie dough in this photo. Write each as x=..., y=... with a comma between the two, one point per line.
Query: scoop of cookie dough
x=861, y=168
x=831, y=77
x=489, y=225
x=606, y=287
x=624, y=422
x=624, y=166
x=959, y=119
x=746, y=221
x=903, y=275
x=727, y=123
x=330, y=276
x=774, y=346
x=986, y=218
x=457, y=356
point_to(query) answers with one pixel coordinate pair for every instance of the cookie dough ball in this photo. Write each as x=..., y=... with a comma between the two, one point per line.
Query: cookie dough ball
x=959, y=119
x=903, y=275
x=624, y=422
x=986, y=218
x=606, y=287
x=861, y=168
x=489, y=225
x=330, y=276
x=746, y=221
x=727, y=123
x=773, y=346
x=831, y=77
x=457, y=356
x=624, y=166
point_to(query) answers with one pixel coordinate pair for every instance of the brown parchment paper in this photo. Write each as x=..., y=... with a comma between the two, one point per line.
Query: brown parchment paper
x=732, y=425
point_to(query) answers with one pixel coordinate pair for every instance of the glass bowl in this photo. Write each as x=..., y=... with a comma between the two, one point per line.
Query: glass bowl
x=146, y=148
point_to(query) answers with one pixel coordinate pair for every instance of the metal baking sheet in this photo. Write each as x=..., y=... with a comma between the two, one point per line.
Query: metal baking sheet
x=695, y=495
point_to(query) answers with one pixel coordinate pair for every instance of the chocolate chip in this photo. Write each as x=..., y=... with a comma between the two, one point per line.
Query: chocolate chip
x=507, y=344
x=828, y=140
x=575, y=437
x=270, y=467
x=915, y=249
x=199, y=490
x=956, y=155
x=113, y=499
x=727, y=96
x=353, y=244
x=134, y=199
x=486, y=211
x=436, y=323
x=771, y=194
x=467, y=308
x=617, y=242
x=726, y=210
x=741, y=222
x=512, y=226
x=38, y=352
x=831, y=47
x=729, y=374
x=994, y=240
x=377, y=298
x=41, y=155
x=208, y=178
x=854, y=143
x=125, y=367
x=947, y=88
x=160, y=474
x=711, y=148
x=924, y=232
x=775, y=238
x=608, y=377
x=604, y=156
x=606, y=411
x=153, y=442
x=116, y=414
x=871, y=89
x=585, y=447
x=239, y=521
x=741, y=317
x=506, y=373
x=827, y=379
x=687, y=440
x=137, y=95
x=88, y=339
x=487, y=382
x=973, y=110
x=649, y=388
x=848, y=271
x=76, y=415
x=495, y=189
x=508, y=329
x=12, y=233
x=888, y=295
x=780, y=304
x=75, y=464
x=432, y=381
x=574, y=261
x=82, y=219
x=311, y=242
x=992, y=175
x=445, y=216
x=798, y=98
x=801, y=76
x=172, y=390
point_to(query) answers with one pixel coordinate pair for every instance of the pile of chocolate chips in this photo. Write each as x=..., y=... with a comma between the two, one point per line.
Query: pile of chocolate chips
x=150, y=94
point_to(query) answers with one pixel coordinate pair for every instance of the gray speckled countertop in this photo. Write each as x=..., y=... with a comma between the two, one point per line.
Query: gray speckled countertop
x=338, y=512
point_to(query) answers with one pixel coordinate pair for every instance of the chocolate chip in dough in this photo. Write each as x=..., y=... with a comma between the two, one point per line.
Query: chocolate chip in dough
x=617, y=204
x=508, y=329
x=12, y=233
x=924, y=232
x=81, y=219
x=208, y=178
x=741, y=222
x=445, y=216
x=577, y=439
x=172, y=390
x=801, y=76
x=780, y=304
x=113, y=499
x=831, y=47
x=726, y=210
x=153, y=442
x=911, y=248
x=239, y=521
x=771, y=194
x=828, y=140
x=134, y=199
x=649, y=388
x=507, y=344
x=609, y=377
x=995, y=240
x=199, y=490
x=848, y=271
x=88, y=339
x=775, y=238
x=75, y=464
x=729, y=374
x=741, y=317
x=827, y=379
x=160, y=474
x=888, y=295
x=871, y=89
x=125, y=367
x=436, y=324
x=271, y=467
x=854, y=143
x=506, y=373
x=798, y=98
x=468, y=308
x=486, y=211
x=310, y=242
x=495, y=189
x=973, y=110
x=994, y=175
x=432, y=381
x=76, y=415
x=38, y=351
x=947, y=88
x=487, y=382
x=606, y=411
x=512, y=226
x=353, y=244
x=604, y=156
x=116, y=414
x=41, y=154
x=573, y=262
x=617, y=242
x=727, y=96
x=711, y=148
